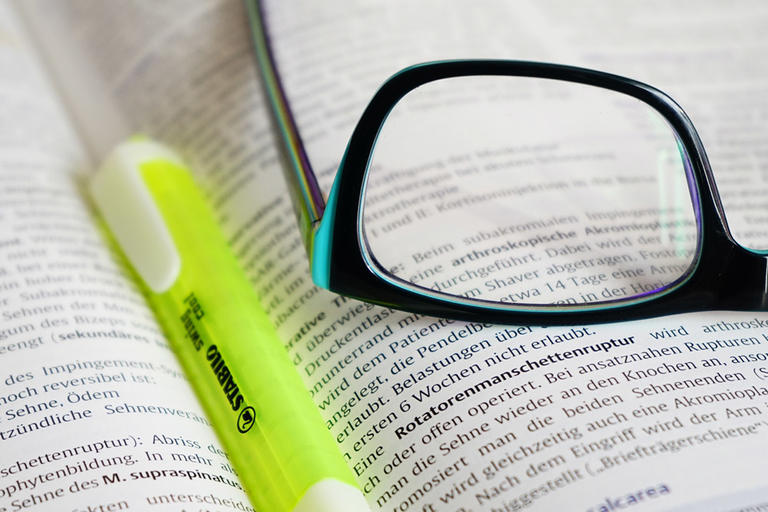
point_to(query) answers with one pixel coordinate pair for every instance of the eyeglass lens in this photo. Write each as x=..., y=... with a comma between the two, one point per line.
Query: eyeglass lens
x=529, y=191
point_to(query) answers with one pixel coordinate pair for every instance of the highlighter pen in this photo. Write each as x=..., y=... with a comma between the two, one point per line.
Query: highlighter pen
x=274, y=434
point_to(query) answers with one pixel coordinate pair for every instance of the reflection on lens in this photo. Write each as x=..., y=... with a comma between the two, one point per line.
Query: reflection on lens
x=529, y=191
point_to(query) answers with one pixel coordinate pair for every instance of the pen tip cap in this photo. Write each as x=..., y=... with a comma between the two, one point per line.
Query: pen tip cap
x=331, y=495
x=130, y=211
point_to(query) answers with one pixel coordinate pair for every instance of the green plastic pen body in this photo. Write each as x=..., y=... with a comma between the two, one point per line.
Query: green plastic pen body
x=275, y=436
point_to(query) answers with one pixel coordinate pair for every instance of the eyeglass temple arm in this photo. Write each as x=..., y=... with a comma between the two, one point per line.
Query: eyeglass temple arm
x=308, y=202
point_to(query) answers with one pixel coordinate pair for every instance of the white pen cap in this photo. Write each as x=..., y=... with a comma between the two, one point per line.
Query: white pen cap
x=331, y=495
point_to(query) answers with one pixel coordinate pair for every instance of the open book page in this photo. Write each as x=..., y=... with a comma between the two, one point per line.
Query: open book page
x=595, y=417
x=94, y=411
x=434, y=414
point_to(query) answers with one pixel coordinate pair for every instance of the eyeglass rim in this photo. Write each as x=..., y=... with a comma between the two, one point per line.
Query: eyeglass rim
x=341, y=265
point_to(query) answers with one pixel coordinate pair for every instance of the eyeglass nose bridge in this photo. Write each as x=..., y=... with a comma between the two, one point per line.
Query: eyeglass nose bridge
x=730, y=273
x=727, y=274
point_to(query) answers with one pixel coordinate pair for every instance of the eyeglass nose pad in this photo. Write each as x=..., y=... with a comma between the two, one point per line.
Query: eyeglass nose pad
x=725, y=268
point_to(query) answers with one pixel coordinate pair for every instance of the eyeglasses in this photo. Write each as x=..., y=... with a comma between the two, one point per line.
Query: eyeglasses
x=518, y=192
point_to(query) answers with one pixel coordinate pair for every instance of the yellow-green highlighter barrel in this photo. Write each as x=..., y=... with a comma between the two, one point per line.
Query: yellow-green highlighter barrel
x=273, y=433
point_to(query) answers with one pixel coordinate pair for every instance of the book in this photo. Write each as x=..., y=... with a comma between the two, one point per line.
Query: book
x=95, y=413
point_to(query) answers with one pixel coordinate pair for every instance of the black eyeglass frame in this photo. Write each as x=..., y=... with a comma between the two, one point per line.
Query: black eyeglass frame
x=723, y=275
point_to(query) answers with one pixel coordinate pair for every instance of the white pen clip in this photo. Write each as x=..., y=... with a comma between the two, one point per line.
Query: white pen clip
x=132, y=215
